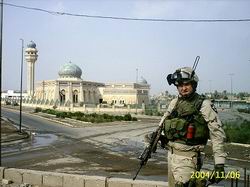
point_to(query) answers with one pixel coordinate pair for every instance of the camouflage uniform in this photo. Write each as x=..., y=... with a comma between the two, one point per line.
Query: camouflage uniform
x=182, y=156
x=182, y=159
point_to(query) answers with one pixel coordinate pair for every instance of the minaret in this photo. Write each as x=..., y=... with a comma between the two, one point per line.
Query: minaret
x=31, y=57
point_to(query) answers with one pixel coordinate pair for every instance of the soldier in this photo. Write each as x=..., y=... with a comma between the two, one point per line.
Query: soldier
x=189, y=121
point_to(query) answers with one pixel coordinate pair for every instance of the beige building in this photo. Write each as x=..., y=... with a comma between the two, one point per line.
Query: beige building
x=126, y=93
x=70, y=90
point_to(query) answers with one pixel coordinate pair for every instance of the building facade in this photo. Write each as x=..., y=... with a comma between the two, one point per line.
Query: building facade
x=70, y=90
x=126, y=93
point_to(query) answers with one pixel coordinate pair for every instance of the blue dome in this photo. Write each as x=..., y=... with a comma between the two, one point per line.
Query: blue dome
x=31, y=45
x=70, y=70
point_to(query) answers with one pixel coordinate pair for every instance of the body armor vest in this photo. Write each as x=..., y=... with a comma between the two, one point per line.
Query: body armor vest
x=186, y=123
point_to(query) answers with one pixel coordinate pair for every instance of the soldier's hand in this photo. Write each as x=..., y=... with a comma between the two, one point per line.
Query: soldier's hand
x=217, y=174
x=164, y=141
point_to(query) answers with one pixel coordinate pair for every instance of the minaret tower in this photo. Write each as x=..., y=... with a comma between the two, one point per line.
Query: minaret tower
x=31, y=57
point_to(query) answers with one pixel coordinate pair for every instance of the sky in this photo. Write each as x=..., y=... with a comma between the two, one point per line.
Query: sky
x=109, y=50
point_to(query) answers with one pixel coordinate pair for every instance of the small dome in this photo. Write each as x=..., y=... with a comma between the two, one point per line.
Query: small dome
x=31, y=45
x=143, y=81
x=70, y=70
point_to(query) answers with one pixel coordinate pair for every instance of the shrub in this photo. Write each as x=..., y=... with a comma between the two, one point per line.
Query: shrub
x=127, y=117
x=15, y=104
x=49, y=111
x=83, y=118
x=38, y=109
x=92, y=120
x=79, y=118
x=99, y=120
x=61, y=114
x=239, y=133
x=78, y=114
x=118, y=118
x=94, y=115
x=246, y=110
x=149, y=112
x=7, y=103
x=106, y=116
x=134, y=119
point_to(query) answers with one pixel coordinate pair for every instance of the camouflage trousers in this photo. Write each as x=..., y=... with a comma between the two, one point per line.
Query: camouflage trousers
x=181, y=166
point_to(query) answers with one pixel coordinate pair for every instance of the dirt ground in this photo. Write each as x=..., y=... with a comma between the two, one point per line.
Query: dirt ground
x=11, y=133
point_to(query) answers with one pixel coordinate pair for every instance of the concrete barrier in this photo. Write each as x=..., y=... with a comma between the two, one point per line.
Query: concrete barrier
x=1, y=172
x=73, y=180
x=16, y=175
x=32, y=177
x=53, y=179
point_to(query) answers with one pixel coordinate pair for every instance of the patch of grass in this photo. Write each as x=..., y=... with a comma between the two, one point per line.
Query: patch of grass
x=239, y=133
x=246, y=110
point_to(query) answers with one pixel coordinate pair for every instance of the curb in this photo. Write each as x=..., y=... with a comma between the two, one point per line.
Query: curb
x=66, y=124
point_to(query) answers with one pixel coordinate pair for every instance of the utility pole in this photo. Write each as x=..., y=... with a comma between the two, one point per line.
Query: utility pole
x=231, y=89
x=210, y=88
x=136, y=75
x=1, y=57
x=136, y=99
x=21, y=90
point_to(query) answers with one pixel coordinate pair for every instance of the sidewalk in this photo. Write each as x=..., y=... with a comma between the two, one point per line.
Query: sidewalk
x=10, y=133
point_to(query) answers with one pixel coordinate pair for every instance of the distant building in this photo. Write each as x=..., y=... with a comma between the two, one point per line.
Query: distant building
x=71, y=90
x=126, y=93
x=12, y=94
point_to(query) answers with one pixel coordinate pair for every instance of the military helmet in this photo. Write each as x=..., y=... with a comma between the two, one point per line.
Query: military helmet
x=183, y=75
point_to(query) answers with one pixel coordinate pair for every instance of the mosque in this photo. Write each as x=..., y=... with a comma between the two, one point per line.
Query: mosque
x=70, y=90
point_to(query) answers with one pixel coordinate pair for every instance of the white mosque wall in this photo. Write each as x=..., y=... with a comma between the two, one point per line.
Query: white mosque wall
x=91, y=109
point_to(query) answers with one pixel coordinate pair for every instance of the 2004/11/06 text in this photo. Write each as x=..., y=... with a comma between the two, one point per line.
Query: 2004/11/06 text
x=221, y=175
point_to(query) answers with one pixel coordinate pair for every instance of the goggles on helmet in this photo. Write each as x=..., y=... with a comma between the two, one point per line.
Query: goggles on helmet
x=181, y=75
x=178, y=76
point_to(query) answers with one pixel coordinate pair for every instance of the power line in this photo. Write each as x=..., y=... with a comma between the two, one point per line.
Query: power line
x=126, y=18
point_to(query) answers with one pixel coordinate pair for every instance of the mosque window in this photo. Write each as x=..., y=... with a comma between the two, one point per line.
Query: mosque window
x=62, y=96
x=75, y=96
x=113, y=102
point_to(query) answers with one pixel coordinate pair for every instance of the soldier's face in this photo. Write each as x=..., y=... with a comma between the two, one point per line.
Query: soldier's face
x=185, y=89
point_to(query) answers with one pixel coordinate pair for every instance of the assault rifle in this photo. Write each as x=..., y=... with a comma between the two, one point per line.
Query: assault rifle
x=151, y=147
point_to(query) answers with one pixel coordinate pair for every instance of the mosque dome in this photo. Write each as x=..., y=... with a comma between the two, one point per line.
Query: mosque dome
x=31, y=45
x=70, y=70
x=143, y=81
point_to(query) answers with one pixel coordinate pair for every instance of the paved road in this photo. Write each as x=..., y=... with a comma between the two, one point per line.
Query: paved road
x=104, y=149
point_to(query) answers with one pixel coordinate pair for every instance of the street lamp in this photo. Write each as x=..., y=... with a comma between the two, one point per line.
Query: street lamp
x=210, y=87
x=21, y=90
x=1, y=56
x=136, y=80
x=231, y=83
